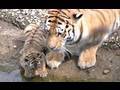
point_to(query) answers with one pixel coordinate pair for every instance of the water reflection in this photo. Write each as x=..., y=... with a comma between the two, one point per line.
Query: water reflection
x=13, y=76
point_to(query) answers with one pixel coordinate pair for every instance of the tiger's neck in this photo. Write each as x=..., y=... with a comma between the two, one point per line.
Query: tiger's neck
x=78, y=33
x=79, y=28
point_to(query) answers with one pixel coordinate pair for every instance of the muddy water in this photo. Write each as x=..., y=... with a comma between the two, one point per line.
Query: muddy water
x=13, y=76
x=9, y=71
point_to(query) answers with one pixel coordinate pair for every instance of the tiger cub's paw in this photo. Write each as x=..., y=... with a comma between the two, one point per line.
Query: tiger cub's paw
x=41, y=69
x=41, y=72
x=54, y=59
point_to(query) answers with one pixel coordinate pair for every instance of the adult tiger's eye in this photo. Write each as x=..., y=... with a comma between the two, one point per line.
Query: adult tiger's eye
x=49, y=21
x=59, y=23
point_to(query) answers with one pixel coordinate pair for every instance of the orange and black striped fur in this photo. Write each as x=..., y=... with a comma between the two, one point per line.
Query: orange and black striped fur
x=80, y=32
x=32, y=55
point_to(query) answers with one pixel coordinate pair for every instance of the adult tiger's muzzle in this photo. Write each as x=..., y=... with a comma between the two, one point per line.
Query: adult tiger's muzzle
x=54, y=42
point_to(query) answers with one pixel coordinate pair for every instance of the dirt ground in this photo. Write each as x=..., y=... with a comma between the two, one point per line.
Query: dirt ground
x=107, y=68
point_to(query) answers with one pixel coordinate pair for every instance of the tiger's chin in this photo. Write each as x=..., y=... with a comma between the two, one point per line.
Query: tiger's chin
x=54, y=59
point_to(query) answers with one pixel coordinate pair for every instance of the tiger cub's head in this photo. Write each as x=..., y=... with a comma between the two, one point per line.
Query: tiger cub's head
x=61, y=25
x=30, y=61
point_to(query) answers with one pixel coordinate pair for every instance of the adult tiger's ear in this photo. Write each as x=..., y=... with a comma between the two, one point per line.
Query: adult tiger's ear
x=77, y=16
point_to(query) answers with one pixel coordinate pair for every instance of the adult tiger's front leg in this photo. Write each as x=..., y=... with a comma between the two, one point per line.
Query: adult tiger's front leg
x=87, y=57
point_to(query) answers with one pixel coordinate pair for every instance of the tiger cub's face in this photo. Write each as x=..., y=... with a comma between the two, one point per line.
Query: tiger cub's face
x=61, y=29
x=29, y=63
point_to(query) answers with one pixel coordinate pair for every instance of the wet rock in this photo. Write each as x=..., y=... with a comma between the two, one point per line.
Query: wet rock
x=106, y=71
x=113, y=41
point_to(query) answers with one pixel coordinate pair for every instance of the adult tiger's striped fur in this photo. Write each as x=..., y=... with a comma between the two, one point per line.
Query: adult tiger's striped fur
x=80, y=31
x=33, y=52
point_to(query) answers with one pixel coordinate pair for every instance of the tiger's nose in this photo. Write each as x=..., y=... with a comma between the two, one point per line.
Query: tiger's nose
x=52, y=47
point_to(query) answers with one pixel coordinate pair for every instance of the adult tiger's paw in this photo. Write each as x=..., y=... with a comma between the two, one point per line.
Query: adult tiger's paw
x=54, y=59
x=83, y=64
x=86, y=60
x=87, y=57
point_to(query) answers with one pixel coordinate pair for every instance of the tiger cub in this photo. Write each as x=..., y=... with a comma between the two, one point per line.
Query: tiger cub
x=80, y=32
x=33, y=53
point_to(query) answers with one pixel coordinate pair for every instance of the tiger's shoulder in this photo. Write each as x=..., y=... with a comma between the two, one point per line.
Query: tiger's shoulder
x=35, y=37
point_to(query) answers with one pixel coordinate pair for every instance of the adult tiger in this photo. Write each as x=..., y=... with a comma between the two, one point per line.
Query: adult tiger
x=80, y=32
x=32, y=58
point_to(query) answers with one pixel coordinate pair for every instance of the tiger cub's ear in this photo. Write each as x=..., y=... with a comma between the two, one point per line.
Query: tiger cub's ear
x=77, y=16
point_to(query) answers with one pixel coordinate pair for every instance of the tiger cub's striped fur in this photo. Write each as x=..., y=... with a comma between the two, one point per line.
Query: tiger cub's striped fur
x=80, y=31
x=33, y=53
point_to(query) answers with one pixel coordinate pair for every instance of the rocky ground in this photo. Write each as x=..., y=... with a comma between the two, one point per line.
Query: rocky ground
x=22, y=17
x=11, y=41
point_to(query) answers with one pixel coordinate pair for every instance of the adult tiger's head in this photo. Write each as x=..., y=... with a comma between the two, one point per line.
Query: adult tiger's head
x=62, y=27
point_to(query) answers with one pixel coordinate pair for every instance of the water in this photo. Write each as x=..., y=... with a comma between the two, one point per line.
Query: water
x=13, y=76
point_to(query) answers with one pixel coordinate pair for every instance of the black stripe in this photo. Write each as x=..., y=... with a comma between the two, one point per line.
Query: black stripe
x=80, y=35
x=67, y=10
x=53, y=11
x=50, y=16
x=70, y=43
x=67, y=17
x=64, y=34
x=57, y=18
x=60, y=19
x=63, y=12
x=69, y=32
x=73, y=30
x=68, y=54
